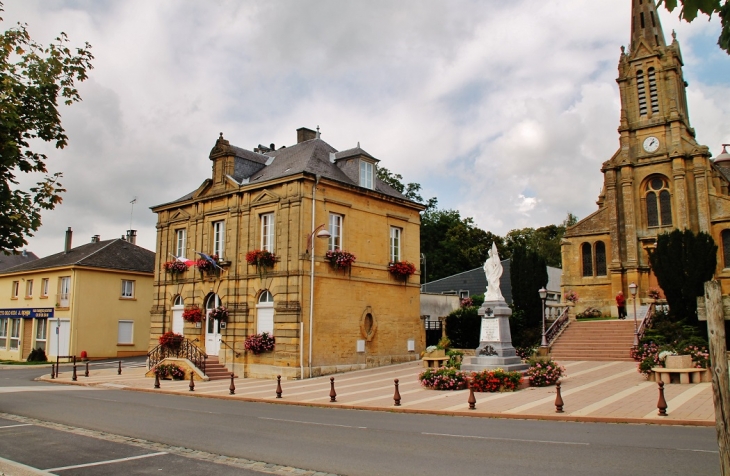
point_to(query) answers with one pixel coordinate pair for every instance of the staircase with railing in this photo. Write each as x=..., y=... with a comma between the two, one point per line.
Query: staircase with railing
x=186, y=350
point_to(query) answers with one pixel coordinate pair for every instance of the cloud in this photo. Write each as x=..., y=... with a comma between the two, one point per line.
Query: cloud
x=503, y=110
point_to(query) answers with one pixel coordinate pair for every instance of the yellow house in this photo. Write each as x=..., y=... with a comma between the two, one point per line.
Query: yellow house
x=297, y=202
x=94, y=298
x=659, y=179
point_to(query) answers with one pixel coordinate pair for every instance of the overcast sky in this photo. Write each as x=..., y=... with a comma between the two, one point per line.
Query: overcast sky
x=503, y=110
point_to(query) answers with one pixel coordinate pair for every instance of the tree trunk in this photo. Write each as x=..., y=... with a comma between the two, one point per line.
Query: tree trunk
x=720, y=380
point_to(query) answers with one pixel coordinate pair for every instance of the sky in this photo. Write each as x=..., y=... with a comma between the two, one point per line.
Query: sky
x=504, y=111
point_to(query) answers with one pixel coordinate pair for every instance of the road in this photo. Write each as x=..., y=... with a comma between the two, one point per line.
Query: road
x=356, y=442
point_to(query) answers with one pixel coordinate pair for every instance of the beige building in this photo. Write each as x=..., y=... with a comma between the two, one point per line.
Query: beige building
x=94, y=298
x=280, y=200
x=659, y=179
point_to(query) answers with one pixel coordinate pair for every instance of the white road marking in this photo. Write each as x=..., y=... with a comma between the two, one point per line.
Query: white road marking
x=15, y=426
x=99, y=463
x=509, y=439
x=312, y=423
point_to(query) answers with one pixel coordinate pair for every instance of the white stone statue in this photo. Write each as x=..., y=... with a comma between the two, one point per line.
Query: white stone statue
x=493, y=270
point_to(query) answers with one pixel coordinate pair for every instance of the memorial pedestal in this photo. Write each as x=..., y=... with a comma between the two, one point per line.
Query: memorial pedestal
x=495, y=349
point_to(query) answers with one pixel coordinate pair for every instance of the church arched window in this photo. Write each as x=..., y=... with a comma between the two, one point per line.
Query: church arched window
x=641, y=89
x=600, y=258
x=587, y=253
x=658, y=202
x=653, y=94
x=725, y=236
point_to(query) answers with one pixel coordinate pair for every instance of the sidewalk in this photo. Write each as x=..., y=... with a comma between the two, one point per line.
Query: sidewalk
x=592, y=391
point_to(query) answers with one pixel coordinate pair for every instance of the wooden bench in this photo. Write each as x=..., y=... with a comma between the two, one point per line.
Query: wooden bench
x=434, y=361
x=685, y=375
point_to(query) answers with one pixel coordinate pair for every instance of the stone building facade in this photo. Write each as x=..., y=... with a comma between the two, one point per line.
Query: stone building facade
x=324, y=319
x=659, y=179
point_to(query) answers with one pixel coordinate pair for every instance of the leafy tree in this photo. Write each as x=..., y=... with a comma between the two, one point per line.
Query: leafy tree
x=463, y=326
x=682, y=262
x=692, y=8
x=32, y=77
x=528, y=273
x=410, y=190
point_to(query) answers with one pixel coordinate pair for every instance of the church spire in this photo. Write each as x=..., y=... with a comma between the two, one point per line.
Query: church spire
x=645, y=24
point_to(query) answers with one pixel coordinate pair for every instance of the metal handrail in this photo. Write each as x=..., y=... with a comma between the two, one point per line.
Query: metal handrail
x=558, y=326
x=186, y=350
x=646, y=320
x=238, y=354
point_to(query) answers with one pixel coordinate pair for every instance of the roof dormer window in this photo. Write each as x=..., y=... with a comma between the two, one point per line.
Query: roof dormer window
x=366, y=174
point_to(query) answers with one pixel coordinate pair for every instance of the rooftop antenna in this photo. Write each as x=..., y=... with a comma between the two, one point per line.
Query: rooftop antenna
x=134, y=200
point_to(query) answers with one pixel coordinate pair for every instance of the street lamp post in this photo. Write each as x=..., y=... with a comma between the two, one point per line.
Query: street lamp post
x=323, y=233
x=632, y=289
x=543, y=295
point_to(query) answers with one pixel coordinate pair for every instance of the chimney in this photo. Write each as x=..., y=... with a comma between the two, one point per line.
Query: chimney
x=132, y=236
x=304, y=134
x=67, y=244
x=95, y=239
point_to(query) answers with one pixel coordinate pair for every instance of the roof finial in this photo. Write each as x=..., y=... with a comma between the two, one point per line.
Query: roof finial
x=317, y=131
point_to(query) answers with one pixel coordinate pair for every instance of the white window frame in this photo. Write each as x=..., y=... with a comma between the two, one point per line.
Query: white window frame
x=367, y=171
x=15, y=333
x=335, y=229
x=29, y=288
x=119, y=331
x=219, y=237
x=180, y=242
x=396, y=237
x=41, y=333
x=268, y=232
x=265, y=301
x=127, y=289
x=15, y=290
x=44, y=287
x=4, y=333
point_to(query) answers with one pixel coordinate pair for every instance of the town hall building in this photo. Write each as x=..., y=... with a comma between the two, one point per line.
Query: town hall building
x=660, y=179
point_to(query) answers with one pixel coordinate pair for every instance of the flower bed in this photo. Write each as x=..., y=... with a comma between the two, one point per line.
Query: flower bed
x=192, y=314
x=542, y=374
x=170, y=371
x=401, y=269
x=651, y=355
x=443, y=378
x=589, y=313
x=171, y=340
x=496, y=380
x=259, y=343
x=340, y=259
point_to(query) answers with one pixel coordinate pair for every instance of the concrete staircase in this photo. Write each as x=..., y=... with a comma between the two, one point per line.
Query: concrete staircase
x=595, y=340
x=215, y=370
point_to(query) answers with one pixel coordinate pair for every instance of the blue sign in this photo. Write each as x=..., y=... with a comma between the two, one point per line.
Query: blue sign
x=28, y=313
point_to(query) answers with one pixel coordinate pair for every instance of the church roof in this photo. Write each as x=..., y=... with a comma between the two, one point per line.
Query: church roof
x=645, y=24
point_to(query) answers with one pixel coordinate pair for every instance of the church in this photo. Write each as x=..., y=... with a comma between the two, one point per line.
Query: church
x=659, y=179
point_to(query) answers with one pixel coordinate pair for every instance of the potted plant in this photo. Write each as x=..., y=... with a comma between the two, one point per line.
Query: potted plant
x=206, y=266
x=220, y=313
x=262, y=259
x=401, y=269
x=340, y=259
x=171, y=340
x=193, y=314
x=259, y=343
x=571, y=297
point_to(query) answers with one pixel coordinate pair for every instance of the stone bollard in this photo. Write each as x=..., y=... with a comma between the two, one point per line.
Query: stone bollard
x=278, y=386
x=53, y=371
x=73, y=377
x=232, y=387
x=157, y=381
x=396, y=395
x=192, y=382
x=662, y=403
x=333, y=394
x=119, y=370
x=472, y=399
x=558, y=399
x=86, y=373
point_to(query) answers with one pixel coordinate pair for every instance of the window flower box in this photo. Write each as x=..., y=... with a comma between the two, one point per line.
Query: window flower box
x=340, y=259
x=175, y=267
x=262, y=259
x=206, y=267
x=401, y=269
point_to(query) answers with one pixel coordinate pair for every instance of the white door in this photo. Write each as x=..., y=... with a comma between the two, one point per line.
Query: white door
x=178, y=325
x=212, y=327
x=59, y=337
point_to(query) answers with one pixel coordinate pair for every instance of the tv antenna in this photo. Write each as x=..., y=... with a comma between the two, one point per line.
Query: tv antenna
x=134, y=200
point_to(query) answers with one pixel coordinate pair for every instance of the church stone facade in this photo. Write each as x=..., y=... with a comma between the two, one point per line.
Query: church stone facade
x=659, y=179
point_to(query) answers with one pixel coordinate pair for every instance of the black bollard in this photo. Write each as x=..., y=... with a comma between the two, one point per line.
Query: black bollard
x=232, y=387
x=73, y=377
x=157, y=381
x=558, y=399
x=119, y=371
x=472, y=399
x=86, y=373
x=396, y=395
x=333, y=394
x=662, y=403
x=192, y=382
x=53, y=371
x=278, y=386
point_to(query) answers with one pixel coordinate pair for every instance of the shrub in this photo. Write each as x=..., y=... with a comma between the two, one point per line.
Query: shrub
x=455, y=358
x=443, y=378
x=495, y=381
x=37, y=355
x=525, y=353
x=542, y=374
x=589, y=313
x=651, y=354
x=259, y=343
x=463, y=326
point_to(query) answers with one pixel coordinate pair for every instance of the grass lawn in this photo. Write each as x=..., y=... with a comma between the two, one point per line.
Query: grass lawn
x=20, y=362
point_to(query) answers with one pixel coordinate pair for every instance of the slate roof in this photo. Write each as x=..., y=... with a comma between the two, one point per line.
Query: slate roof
x=311, y=156
x=115, y=254
x=8, y=261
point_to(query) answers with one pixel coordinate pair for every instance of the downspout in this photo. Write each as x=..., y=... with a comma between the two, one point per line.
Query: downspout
x=311, y=274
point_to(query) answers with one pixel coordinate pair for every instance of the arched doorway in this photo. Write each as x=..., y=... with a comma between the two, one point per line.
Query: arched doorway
x=265, y=313
x=212, y=326
x=178, y=325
